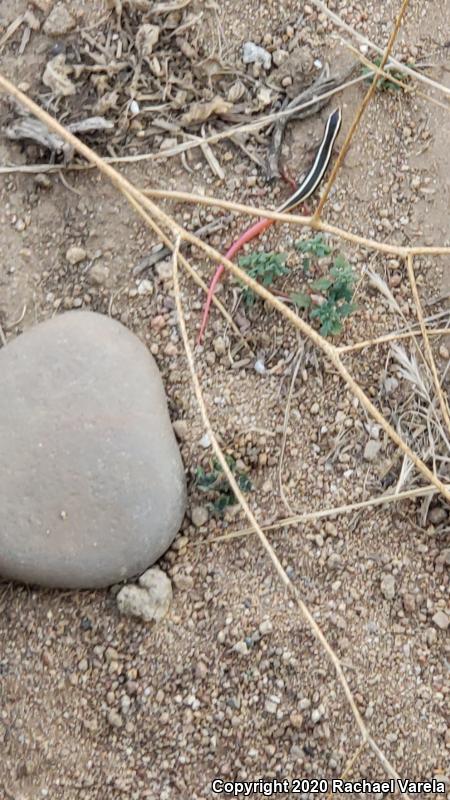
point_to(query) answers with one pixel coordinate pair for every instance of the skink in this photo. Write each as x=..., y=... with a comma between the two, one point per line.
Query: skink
x=305, y=190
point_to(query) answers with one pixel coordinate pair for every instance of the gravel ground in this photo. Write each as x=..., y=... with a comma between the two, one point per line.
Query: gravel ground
x=232, y=685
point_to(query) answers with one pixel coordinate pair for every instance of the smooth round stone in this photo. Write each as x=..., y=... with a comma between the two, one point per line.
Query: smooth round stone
x=92, y=487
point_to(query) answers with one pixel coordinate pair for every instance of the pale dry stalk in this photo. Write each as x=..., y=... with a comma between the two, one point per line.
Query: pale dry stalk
x=297, y=220
x=287, y=583
x=360, y=110
x=426, y=341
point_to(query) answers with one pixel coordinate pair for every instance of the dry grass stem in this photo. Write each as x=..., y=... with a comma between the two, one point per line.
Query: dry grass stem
x=296, y=219
x=385, y=73
x=426, y=342
x=263, y=539
x=390, y=337
x=418, y=76
x=310, y=516
x=360, y=110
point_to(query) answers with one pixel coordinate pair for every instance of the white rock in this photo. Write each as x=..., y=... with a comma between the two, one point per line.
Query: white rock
x=265, y=627
x=199, y=516
x=387, y=587
x=441, y=620
x=253, y=54
x=371, y=450
x=75, y=254
x=150, y=600
x=241, y=648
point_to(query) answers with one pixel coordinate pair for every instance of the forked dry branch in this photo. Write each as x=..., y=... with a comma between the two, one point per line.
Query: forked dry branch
x=287, y=583
x=173, y=235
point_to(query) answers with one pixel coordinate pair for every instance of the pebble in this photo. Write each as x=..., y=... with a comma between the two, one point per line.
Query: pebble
x=437, y=515
x=43, y=180
x=75, y=254
x=279, y=57
x=42, y=5
x=387, y=587
x=409, y=603
x=199, y=516
x=181, y=429
x=219, y=345
x=145, y=287
x=371, y=450
x=111, y=493
x=114, y=718
x=241, y=648
x=253, y=54
x=296, y=719
x=59, y=21
x=98, y=275
x=150, y=600
x=265, y=627
x=334, y=561
x=164, y=270
x=441, y=620
x=183, y=582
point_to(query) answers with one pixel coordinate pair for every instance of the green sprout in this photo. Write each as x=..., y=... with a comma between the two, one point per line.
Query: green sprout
x=264, y=268
x=215, y=483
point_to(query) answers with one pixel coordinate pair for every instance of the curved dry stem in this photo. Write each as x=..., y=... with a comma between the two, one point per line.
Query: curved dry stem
x=194, y=275
x=366, y=737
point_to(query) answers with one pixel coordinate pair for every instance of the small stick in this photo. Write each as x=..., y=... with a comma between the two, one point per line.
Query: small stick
x=361, y=109
x=426, y=341
x=310, y=516
x=389, y=337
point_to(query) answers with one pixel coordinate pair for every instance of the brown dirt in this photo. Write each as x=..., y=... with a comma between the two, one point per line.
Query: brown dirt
x=192, y=708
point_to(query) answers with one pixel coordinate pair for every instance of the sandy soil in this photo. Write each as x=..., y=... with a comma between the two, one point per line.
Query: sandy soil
x=189, y=705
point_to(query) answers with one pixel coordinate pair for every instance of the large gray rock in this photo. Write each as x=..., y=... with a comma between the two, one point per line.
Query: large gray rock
x=92, y=487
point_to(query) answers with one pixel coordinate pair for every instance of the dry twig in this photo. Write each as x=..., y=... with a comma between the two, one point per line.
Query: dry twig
x=287, y=583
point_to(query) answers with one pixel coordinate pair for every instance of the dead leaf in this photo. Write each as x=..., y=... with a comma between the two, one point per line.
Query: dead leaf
x=56, y=76
x=209, y=68
x=236, y=91
x=146, y=38
x=199, y=112
x=105, y=103
x=30, y=129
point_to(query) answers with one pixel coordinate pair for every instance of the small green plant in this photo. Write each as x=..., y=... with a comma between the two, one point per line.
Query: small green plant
x=214, y=483
x=316, y=247
x=384, y=84
x=264, y=268
x=336, y=289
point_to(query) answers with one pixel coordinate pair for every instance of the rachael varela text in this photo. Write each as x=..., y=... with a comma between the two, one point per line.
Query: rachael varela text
x=272, y=787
